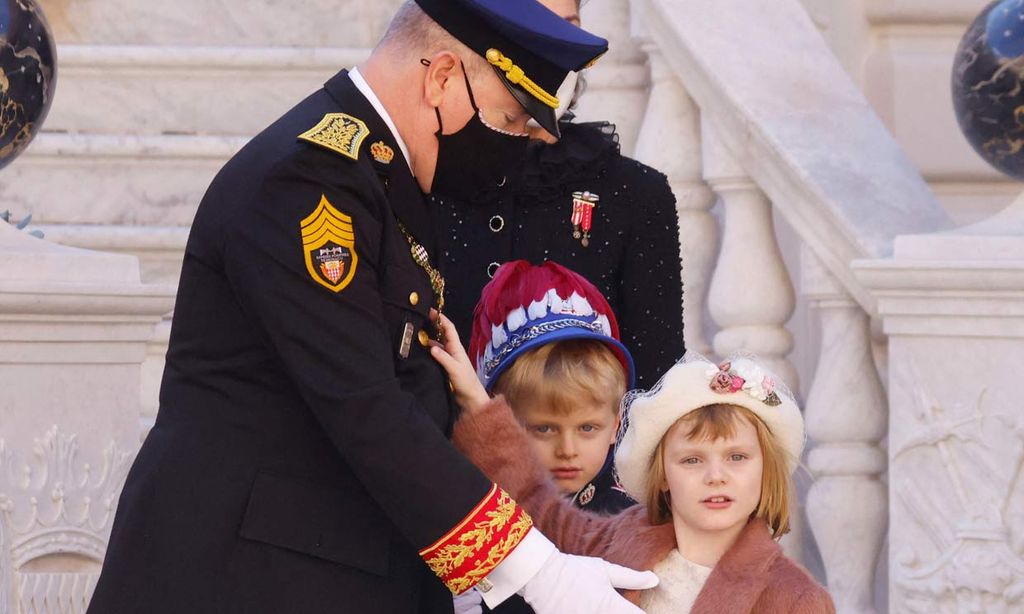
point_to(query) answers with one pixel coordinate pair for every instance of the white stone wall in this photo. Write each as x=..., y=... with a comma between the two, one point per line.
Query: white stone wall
x=74, y=329
x=901, y=54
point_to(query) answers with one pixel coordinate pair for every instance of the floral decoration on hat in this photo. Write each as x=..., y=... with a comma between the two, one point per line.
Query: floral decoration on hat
x=744, y=375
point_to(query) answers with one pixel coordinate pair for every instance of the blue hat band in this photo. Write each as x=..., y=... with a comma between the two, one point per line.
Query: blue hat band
x=529, y=333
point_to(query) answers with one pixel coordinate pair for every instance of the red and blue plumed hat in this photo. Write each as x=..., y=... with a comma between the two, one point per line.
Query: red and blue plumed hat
x=526, y=306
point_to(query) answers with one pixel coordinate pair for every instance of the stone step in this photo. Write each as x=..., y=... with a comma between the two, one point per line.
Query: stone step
x=114, y=179
x=159, y=249
x=144, y=177
x=311, y=23
x=128, y=89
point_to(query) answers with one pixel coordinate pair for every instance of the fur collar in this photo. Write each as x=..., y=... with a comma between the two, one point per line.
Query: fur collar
x=738, y=579
x=742, y=574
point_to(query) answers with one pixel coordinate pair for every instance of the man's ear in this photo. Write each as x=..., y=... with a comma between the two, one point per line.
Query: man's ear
x=442, y=68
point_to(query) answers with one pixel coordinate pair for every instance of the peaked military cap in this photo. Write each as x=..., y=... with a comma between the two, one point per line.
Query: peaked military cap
x=531, y=48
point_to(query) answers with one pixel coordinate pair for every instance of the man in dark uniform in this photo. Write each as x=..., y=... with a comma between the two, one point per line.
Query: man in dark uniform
x=300, y=460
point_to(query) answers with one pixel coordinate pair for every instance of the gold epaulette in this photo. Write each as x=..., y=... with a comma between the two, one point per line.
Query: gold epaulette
x=338, y=132
x=474, y=547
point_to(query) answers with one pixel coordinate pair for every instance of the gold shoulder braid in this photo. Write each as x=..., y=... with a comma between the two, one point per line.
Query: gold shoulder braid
x=339, y=132
x=419, y=255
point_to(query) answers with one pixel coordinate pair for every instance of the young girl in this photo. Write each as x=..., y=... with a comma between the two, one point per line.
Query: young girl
x=709, y=451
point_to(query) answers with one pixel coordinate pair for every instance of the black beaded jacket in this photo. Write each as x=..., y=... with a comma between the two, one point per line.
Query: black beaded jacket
x=633, y=252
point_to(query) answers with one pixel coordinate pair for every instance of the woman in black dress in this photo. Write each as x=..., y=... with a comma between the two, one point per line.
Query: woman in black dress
x=625, y=238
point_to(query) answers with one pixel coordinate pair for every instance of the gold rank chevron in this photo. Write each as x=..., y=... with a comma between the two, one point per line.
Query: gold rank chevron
x=338, y=132
x=328, y=231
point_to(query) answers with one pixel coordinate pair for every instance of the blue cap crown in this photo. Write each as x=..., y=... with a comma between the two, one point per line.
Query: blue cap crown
x=531, y=48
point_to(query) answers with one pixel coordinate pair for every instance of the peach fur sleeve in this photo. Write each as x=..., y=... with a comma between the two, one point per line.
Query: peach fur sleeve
x=493, y=439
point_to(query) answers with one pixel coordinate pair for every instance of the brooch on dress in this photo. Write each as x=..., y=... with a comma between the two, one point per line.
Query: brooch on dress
x=583, y=204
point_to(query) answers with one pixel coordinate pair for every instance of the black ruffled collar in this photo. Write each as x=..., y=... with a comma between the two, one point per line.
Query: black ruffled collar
x=581, y=154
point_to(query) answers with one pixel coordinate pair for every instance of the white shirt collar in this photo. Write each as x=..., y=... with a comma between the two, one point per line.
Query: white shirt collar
x=367, y=92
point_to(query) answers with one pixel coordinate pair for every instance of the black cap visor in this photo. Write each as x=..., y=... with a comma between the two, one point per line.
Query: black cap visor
x=540, y=112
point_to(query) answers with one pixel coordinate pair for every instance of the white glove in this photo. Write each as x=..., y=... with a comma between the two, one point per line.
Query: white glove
x=568, y=584
x=469, y=602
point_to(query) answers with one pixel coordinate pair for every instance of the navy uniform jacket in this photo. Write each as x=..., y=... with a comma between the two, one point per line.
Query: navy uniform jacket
x=298, y=462
x=633, y=255
x=604, y=494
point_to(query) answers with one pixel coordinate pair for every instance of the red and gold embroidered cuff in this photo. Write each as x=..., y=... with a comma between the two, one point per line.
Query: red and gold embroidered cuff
x=472, y=549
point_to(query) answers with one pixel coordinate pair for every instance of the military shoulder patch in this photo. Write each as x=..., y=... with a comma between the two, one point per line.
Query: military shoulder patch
x=329, y=246
x=338, y=132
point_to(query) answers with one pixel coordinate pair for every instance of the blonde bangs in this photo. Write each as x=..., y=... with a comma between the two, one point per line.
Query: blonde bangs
x=564, y=376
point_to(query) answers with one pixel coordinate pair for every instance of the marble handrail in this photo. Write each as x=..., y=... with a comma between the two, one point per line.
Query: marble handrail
x=769, y=85
x=782, y=127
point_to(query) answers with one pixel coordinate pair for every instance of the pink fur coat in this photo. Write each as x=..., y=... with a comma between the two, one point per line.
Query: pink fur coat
x=753, y=576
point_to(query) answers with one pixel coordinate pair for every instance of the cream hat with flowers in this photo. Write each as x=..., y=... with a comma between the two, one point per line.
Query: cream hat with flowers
x=691, y=384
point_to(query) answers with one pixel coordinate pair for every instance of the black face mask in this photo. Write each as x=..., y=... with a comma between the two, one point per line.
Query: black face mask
x=476, y=159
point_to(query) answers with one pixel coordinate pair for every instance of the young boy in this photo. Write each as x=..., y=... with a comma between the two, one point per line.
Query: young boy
x=546, y=338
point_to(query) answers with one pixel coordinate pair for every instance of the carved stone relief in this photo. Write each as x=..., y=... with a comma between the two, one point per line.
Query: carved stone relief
x=958, y=526
x=55, y=517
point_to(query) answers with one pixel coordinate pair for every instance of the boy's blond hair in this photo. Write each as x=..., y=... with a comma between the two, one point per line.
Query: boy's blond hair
x=719, y=421
x=563, y=375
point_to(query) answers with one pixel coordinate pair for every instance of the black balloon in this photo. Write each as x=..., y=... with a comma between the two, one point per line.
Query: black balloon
x=988, y=86
x=28, y=60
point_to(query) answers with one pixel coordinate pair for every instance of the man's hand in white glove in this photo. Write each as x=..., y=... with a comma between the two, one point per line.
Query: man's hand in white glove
x=568, y=584
x=469, y=602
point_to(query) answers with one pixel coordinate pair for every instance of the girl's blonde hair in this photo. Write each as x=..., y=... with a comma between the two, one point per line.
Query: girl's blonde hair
x=719, y=421
x=564, y=374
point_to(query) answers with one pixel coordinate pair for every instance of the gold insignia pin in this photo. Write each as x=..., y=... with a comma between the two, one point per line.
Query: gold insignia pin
x=382, y=153
x=329, y=246
x=338, y=132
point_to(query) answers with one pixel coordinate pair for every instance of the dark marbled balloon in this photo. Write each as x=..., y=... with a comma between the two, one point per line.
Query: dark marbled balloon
x=28, y=59
x=988, y=86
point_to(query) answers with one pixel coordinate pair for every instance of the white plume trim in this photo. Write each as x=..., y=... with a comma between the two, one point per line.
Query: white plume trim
x=606, y=326
x=538, y=309
x=516, y=319
x=555, y=301
x=498, y=336
x=581, y=305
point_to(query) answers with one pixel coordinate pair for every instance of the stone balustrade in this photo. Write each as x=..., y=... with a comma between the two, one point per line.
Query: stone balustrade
x=784, y=128
x=670, y=141
x=846, y=415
